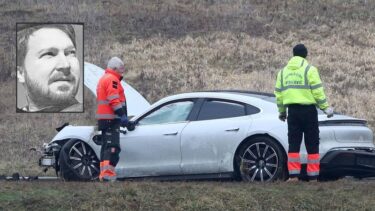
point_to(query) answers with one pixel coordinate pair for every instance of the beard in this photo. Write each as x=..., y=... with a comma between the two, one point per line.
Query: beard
x=44, y=96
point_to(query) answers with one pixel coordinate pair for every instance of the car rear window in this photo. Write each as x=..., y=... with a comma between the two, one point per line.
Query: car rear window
x=272, y=99
x=215, y=109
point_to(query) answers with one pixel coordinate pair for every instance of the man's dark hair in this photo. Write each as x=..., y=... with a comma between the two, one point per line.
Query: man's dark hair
x=25, y=30
x=300, y=50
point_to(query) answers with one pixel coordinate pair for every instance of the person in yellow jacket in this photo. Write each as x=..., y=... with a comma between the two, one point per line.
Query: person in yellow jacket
x=299, y=91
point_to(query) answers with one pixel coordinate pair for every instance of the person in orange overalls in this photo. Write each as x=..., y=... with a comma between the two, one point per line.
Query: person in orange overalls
x=111, y=113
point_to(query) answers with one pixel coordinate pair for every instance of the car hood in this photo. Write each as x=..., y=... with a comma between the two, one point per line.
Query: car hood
x=75, y=132
x=136, y=103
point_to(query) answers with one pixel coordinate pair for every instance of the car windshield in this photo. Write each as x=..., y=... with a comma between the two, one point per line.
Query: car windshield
x=173, y=112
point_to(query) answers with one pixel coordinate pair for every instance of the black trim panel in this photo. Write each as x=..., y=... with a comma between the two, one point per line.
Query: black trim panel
x=196, y=108
x=242, y=92
x=358, y=163
x=344, y=122
x=224, y=175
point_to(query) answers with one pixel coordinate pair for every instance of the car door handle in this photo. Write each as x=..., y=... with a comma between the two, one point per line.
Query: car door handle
x=233, y=130
x=170, y=134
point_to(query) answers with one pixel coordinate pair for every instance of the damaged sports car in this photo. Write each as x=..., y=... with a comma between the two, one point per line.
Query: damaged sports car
x=212, y=134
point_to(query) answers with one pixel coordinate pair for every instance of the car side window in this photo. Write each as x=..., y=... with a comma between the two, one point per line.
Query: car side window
x=173, y=112
x=252, y=110
x=215, y=109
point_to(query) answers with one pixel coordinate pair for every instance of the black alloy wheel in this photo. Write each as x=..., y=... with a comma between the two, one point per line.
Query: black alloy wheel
x=261, y=159
x=78, y=161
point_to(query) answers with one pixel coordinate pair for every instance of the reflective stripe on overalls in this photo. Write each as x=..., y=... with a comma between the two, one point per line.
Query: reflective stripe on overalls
x=294, y=164
x=313, y=165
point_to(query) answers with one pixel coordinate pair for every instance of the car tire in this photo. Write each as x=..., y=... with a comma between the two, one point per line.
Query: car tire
x=261, y=159
x=78, y=162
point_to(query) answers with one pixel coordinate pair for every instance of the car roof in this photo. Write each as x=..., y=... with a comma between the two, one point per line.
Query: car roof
x=264, y=101
x=260, y=95
x=225, y=94
x=235, y=91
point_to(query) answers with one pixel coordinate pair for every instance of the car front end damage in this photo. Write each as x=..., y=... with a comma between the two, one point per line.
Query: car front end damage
x=50, y=152
x=72, y=152
x=50, y=155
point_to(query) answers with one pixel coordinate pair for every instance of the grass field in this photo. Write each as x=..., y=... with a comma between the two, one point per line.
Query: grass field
x=147, y=195
x=177, y=46
x=173, y=46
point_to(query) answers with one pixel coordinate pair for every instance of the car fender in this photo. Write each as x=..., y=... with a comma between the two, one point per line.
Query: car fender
x=259, y=126
x=262, y=126
x=278, y=137
x=83, y=133
x=271, y=126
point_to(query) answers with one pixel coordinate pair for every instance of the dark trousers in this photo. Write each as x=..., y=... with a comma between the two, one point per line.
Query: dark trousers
x=110, y=140
x=303, y=120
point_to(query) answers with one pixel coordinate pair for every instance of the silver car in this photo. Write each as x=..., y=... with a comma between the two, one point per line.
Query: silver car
x=214, y=134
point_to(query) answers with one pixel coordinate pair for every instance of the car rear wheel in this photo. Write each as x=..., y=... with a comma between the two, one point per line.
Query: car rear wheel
x=77, y=161
x=260, y=159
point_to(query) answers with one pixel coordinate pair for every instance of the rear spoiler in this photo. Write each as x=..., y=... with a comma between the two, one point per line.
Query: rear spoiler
x=343, y=122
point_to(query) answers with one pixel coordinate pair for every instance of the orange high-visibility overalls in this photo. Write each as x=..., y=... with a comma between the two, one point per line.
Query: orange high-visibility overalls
x=111, y=103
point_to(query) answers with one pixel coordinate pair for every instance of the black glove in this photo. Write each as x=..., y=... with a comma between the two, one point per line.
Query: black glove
x=130, y=126
x=124, y=121
x=282, y=116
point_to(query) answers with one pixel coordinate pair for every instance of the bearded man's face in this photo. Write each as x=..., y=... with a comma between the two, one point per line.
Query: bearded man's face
x=51, y=68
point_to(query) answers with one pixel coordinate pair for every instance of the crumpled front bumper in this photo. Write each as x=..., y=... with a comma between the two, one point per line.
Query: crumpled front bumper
x=49, y=155
x=356, y=162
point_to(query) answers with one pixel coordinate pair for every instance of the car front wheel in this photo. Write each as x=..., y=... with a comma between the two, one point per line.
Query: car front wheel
x=77, y=161
x=261, y=159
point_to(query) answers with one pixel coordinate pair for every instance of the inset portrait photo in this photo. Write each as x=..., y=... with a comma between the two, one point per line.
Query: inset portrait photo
x=49, y=67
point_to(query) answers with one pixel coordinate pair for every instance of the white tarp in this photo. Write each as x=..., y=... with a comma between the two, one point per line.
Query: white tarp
x=136, y=102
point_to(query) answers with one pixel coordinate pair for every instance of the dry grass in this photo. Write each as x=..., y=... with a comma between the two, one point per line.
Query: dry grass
x=20, y=132
x=178, y=46
x=146, y=195
x=173, y=46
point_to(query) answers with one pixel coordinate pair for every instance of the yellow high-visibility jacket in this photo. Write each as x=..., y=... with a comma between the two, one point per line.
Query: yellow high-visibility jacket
x=299, y=83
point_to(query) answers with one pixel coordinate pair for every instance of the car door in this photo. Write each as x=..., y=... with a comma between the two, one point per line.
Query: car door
x=153, y=148
x=207, y=143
